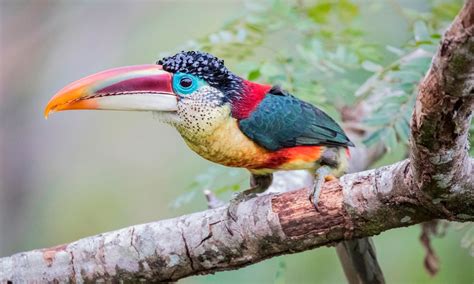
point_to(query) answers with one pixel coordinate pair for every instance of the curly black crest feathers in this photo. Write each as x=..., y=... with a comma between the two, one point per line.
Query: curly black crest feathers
x=203, y=65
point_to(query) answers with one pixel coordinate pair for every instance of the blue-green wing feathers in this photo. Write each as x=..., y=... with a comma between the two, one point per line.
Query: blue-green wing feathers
x=281, y=121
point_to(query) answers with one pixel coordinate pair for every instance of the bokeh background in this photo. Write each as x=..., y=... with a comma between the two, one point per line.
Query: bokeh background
x=82, y=173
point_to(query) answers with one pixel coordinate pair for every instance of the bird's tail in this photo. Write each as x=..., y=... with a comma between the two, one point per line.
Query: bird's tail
x=359, y=261
x=357, y=257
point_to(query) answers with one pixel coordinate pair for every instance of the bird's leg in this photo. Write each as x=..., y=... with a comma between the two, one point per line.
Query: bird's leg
x=319, y=178
x=258, y=184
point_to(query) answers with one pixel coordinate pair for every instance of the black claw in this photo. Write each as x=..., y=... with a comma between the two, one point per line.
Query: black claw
x=234, y=204
x=231, y=211
x=315, y=204
x=231, y=215
x=258, y=183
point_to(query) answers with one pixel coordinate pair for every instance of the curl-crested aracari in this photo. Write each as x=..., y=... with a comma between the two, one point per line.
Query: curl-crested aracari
x=221, y=116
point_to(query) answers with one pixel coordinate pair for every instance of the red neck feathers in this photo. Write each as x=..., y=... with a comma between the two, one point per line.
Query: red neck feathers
x=244, y=104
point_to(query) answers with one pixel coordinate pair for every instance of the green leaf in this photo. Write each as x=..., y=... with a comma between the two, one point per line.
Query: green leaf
x=253, y=75
x=334, y=66
x=399, y=100
x=390, y=139
x=347, y=10
x=319, y=12
x=420, y=64
x=446, y=11
x=406, y=87
x=406, y=76
x=378, y=119
x=374, y=137
x=423, y=42
x=403, y=130
x=397, y=51
x=227, y=188
x=421, y=31
x=371, y=66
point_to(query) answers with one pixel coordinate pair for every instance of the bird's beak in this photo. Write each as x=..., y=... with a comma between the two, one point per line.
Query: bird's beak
x=138, y=88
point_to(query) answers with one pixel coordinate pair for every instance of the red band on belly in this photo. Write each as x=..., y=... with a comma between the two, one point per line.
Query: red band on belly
x=288, y=155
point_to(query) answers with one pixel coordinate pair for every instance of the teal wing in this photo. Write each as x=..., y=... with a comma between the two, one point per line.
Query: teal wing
x=282, y=120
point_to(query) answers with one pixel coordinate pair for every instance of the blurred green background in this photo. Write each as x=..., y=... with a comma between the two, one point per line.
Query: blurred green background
x=82, y=173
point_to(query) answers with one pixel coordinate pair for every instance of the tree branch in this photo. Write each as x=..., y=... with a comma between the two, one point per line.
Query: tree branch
x=443, y=112
x=359, y=205
x=436, y=183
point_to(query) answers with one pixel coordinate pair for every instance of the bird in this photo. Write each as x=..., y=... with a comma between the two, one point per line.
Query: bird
x=222, y=117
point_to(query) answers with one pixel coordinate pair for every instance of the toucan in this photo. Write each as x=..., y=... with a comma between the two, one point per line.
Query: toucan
x=222, y=117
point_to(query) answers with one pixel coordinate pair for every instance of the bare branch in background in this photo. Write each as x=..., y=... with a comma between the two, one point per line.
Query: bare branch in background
x=212, y=200
x=428, y=230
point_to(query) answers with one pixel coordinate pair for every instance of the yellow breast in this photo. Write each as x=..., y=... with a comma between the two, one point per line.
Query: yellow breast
x=228, y=146
x=213, y=133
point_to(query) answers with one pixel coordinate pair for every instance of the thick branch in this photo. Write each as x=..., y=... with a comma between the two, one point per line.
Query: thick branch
x=359, y=205
x=443, y=113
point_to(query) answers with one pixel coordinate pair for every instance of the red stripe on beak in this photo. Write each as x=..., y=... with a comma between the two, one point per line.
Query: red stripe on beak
x=142, y=87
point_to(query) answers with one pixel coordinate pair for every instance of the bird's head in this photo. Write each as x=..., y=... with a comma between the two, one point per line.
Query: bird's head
x=191, y=90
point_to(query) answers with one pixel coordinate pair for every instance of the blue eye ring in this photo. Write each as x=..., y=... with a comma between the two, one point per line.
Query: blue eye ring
x=185, y=84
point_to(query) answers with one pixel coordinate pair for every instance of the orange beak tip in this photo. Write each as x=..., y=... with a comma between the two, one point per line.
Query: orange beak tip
x=47, y=111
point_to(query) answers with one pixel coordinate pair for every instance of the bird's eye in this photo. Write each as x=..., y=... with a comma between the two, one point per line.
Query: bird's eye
x=186, y=82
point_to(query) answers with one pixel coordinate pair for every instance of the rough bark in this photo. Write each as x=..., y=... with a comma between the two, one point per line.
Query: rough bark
x=443, y=112
x=435, y=183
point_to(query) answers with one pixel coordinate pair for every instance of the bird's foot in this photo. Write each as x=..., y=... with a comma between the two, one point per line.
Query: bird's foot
x=258, y=184
x=238, y=198
x=319, y=178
